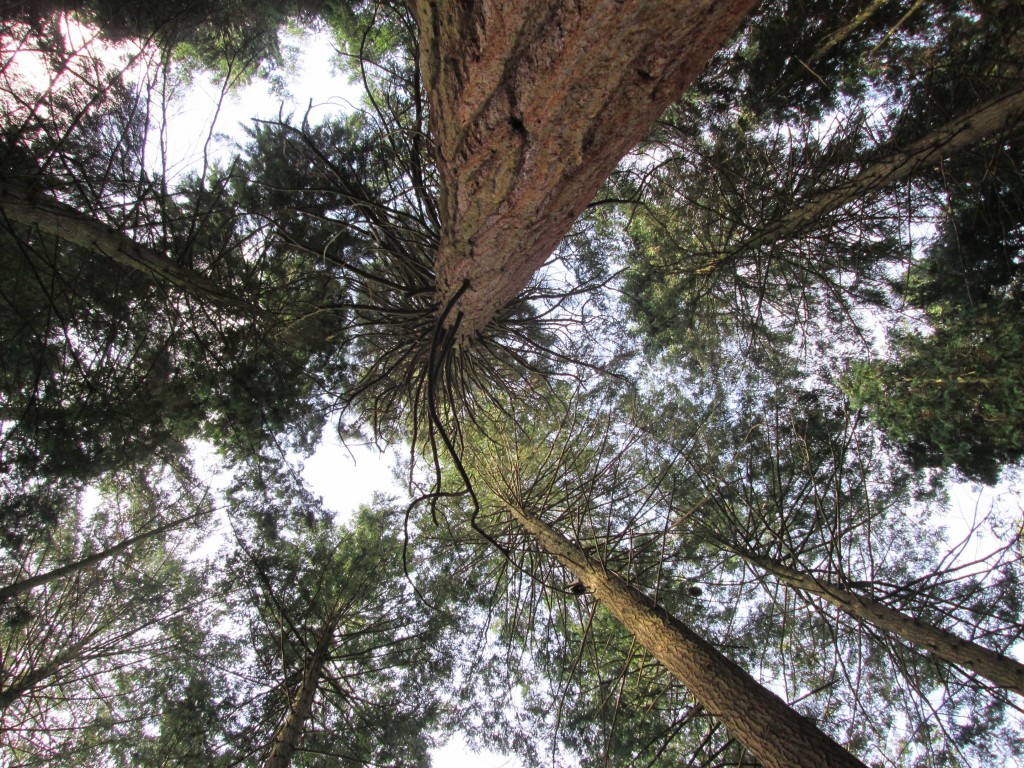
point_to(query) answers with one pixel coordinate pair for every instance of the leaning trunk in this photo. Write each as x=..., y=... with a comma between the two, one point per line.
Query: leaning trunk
x=532, y=105
x=995, y=667
x=286, y=740
x=777, y=735
x=27, y=585
x=58, y=219
x=956, y=135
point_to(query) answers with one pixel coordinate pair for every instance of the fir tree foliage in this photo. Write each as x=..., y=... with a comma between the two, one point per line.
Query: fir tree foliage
x=690, y=404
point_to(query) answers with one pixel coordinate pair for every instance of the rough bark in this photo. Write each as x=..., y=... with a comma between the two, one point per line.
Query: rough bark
x=1002, y=670
x=286, y=740
x=958, y=134
x=777, y=735
x=27, y=585
x=532, y=104
x=59, y=219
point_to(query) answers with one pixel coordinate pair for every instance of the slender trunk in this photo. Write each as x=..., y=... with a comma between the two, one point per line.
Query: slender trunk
x=36, y=675
x=286, y=740
x=532, y=104
x=999, y=669
x=949, y=139
x=59, y=219
x=845, y=31
x=777, y=735
x=26, y=585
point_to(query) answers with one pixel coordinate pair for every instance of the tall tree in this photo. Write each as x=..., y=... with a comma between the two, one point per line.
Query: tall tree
x=774, y=733
x=525, y=135
x=152, y=527
x=68, y=643
x=361, y=267
x=821, y=234
x=1000, y=669
x=530, y=479
x=138, y=314
x=795, y=480
x=949, y=395
x=345, y=658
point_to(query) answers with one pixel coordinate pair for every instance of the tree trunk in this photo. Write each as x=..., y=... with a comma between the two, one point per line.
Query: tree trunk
x=26, y=585
x=33, y=677
x=995, y=667
x=844, y=32
x=532, y=104
x=58, y=219
x=990, y=118
x=286, y=740
x=777, y=735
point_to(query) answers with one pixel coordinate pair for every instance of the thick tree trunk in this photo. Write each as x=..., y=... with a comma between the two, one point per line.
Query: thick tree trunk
x=1002, y=670
x=59, y=219
x=286, y=740
x=958, y=134
x=532, y=104
x=775, y=734
x=27, y=585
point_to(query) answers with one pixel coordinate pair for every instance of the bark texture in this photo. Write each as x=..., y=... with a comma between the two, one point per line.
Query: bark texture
x=53, y=217
x=777, y=735
x=286, y=740
x=532, y=104
x=1002, y=670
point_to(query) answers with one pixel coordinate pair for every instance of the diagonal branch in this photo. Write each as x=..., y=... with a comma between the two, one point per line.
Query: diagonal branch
x=27, y=585
x=56, y=218
x=998, y=668
x=956, y=135
x=774, y=732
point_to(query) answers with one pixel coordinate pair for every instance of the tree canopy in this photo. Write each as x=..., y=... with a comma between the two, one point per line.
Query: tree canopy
x=687, y=321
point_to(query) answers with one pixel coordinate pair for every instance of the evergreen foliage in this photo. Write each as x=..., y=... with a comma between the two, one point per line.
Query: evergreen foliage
x=740, y=393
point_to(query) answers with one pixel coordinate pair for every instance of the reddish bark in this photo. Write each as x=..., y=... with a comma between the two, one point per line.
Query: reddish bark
x=533, y=102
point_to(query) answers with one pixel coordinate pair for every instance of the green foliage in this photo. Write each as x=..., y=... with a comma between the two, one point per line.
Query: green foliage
x=729, y=439
x=231, y=39
x=295, y=575
x=796, y=476
x=951, y=394
x=954, y=397
x=702, y=276
x=77, y=650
